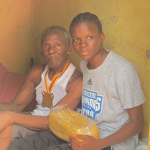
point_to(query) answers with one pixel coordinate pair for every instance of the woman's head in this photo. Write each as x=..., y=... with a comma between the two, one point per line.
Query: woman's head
x=87, y=36
x=86, y=17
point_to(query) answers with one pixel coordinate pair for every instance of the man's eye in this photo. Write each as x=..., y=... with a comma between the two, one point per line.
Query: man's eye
x=58, y=44
x=89, y=37
x=46, y=46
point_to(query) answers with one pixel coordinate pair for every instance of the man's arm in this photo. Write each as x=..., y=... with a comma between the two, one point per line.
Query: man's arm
x=26, y=93
x=133, y=127
x=23, y=97
x=74, y=91
x=29, y=121
x=72, y=99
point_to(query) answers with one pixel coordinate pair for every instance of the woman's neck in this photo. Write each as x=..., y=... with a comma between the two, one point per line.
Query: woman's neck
x=97, y=60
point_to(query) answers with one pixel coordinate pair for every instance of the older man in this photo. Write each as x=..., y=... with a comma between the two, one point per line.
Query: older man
x=54, y=84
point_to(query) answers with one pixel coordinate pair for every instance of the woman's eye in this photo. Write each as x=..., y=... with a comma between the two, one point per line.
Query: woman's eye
x=76, y=40
x=90, y=37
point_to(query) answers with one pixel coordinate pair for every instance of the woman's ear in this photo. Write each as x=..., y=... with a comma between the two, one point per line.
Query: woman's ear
x=69, y=49
x=102, y=36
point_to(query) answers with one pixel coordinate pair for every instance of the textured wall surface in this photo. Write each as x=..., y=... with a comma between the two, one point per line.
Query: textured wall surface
x=15, y=37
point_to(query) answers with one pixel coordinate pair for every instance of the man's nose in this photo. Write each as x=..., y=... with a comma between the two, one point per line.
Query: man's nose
x=83, y=43
x=51, y=50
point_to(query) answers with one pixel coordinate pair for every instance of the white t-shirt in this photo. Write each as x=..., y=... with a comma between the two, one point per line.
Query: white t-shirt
x=108, y=91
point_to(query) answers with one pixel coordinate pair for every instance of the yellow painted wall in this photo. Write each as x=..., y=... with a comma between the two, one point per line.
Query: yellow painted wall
x=16, y=47
x=126, y=25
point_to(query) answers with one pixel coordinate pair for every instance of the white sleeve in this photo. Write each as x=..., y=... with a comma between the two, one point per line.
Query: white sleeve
x=129, y=87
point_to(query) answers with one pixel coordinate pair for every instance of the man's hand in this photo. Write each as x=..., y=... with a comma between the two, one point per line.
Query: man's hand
x=89, y=142
x=6, y=119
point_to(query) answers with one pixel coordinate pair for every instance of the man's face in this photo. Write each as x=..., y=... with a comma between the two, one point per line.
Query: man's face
x=54, y=49
x=86, y=40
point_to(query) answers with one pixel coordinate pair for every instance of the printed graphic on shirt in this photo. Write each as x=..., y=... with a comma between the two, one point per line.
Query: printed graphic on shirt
x=89, y=82
x=91, y=103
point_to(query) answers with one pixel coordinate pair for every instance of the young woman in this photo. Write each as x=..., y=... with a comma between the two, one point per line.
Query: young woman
x=112, y=96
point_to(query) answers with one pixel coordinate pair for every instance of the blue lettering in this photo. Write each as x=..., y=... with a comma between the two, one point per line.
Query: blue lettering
x=91, y=114
x=91, y=103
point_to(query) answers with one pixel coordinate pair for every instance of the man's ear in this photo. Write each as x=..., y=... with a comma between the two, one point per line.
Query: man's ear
x=102, y=36
x=69, y=49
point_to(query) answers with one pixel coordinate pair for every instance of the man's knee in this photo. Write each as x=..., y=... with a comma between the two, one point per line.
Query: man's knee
x=14, y=146
x=38, y=141
x=7, y=132
x=19, y=132
x=5, y=137
x=50, y=138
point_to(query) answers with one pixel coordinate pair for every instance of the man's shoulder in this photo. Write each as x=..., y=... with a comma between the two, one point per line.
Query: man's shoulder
x=76, y=80
x=77, y=75
x=37, y=69
x=35, y=72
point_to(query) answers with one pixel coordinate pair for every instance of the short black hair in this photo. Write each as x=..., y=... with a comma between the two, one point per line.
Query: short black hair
x=86, y=17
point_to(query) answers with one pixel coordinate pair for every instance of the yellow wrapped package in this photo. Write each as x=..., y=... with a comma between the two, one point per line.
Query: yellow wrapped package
x=67, y=122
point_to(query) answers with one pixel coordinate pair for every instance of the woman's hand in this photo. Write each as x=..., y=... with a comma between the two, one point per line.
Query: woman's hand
x=83, y=142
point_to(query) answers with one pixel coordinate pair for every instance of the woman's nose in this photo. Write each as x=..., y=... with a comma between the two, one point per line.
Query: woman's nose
x=83, y=43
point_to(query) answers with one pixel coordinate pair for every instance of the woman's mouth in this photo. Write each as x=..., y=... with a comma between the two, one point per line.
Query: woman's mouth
x=84, y=53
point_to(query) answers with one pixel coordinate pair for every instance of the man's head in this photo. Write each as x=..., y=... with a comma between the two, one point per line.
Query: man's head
x=56, y=29
x=55, y=46
x=87, y=36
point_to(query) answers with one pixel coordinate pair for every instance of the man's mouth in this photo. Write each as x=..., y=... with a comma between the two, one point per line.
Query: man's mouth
x=52, y=57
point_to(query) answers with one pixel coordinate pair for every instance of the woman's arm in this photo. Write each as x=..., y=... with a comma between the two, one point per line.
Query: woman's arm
x=133, y=127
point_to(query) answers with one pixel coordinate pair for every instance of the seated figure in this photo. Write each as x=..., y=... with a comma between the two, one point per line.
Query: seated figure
x=55, y=83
